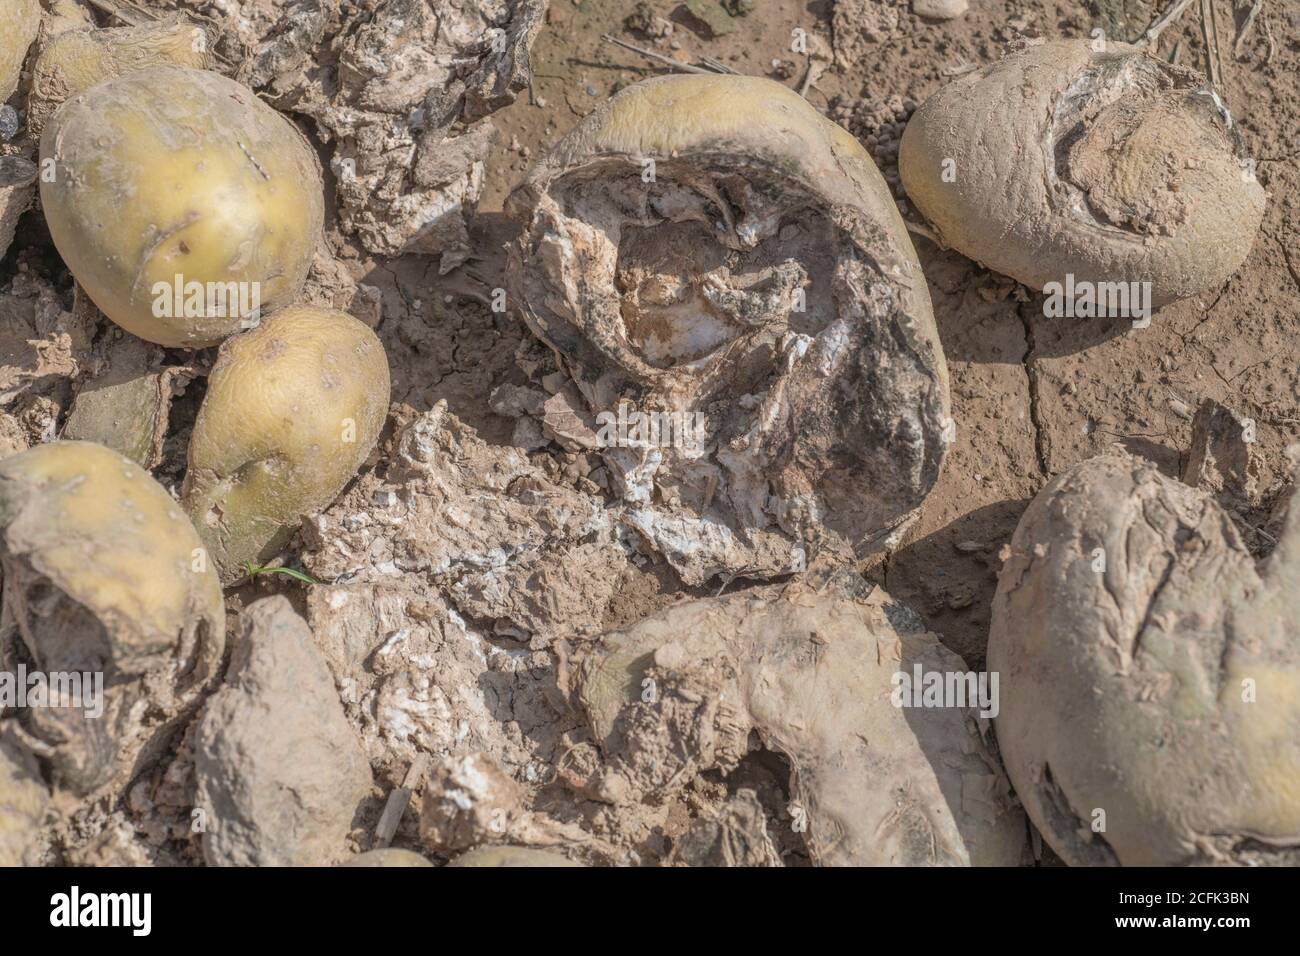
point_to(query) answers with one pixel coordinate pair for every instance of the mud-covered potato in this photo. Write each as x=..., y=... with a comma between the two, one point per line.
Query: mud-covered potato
x=23, y=802
x=103, y=573
x=76, y=60
x=1111, y=166
x=386, y=857
x=817, y=673
x=511, y=856
x=22, y=18
x=1150, y=674
x=292, y=410
x=183, y=205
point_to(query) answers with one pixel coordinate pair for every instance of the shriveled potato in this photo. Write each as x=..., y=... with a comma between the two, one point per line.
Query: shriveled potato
x=714, y=250
x=292, y=410
x=814, y=671
x=511, y=856
x=22, y=19
x=388, y=856
x=104, y=573
x=24, y=799
x=1110, y=166
x=126, y=403
x=1150, y=674
x=64, y=15
x=75, y=60
x=182, y=204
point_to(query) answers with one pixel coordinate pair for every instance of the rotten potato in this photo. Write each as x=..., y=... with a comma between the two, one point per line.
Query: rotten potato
x=103, y=574
x=1109, y=166
x=292, y=410
x=511, y=856
x=875, y=781
x=75, y=60
x=183, y=205
x=711, y=257
x=387, y=857
x=22, y=20
x=1150, y=674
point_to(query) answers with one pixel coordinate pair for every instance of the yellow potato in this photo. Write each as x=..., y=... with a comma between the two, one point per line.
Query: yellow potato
x=293, y=409
x=110, y=538
x=75, y=60
x=511, y=856
x=22, y=18
x=388, y=856
x=183, y=205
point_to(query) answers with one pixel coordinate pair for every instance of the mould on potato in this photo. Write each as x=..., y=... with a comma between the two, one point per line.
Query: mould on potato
x=713, y=250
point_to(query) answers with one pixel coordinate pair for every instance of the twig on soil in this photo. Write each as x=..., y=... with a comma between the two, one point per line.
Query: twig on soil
x=1214, y=31
x=1158, y=25
x=1211, y=51
x=651, y=54
x=807, y=78
x=1244, y=20
x=923, y=230
x=133, y=15
x=398, y=801
x=718, y=65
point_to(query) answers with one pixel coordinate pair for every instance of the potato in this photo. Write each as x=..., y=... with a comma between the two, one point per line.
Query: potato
x=22, y=19
x=292, y=410
x=511, y=856
x=24, y=799
x=75, y=60
x=388, y=856
x=1109, y=166
x=64, y=15
x=713, y=249
x=104, y=573
x=1150, y=674
x=813, y=670
x=183, y=205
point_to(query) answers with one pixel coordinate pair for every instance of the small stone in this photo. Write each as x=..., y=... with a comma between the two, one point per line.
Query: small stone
x=708, y=18
x=8, y=122
x=280, y=772
x=939, y=9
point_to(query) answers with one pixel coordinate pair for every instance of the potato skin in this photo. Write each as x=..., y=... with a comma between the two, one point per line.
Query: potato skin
x=511, y=856
x=808, y=667
x=1003, y=206
x=22, y=20
x=292, y=410
x=849, y=436
x=171, y=171
x=75, y=60
x=387, y=857
x=1122, y=679
x=112, y=539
